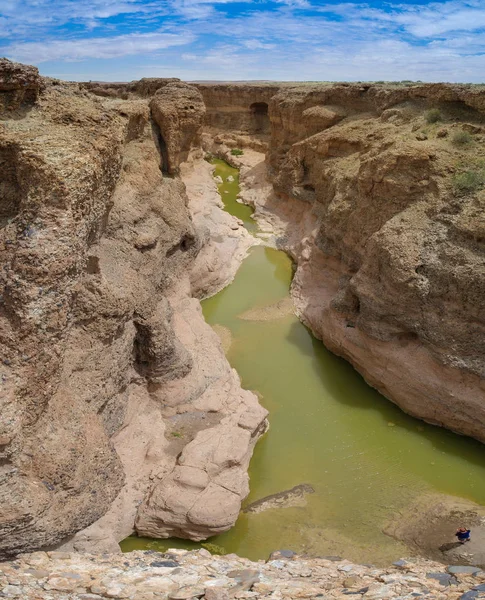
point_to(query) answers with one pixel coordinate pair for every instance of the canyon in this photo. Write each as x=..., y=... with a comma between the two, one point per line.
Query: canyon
x=112, y=231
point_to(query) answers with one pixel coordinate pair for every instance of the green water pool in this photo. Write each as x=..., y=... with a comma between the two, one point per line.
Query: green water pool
x=364, y=457
x=229, y=191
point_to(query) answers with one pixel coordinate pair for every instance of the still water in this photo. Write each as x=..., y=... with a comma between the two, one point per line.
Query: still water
x=365, y=458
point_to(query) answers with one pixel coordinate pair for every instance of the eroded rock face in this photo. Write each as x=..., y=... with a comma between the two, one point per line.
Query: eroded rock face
x=202, y=495
x=63, y=160
x=390, y=267
x=178, y=111
x=19, y=85
x=238, y=107
x=144, y=88
x=96, y=319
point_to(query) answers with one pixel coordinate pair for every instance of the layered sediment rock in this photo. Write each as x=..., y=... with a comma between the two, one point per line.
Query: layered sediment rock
x=237, y=115
x=178, y=111
x=390, y=266
x=98, y=331
x=19, y=85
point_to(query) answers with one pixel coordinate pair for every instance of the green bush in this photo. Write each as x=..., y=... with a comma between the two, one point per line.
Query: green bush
x=237, y=152
x=209, y=157
x=469, y=181
x=460, y=138
x=433, y=115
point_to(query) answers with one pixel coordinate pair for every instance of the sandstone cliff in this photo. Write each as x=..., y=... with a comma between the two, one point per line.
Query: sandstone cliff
x=391, y=271
x=99, y=335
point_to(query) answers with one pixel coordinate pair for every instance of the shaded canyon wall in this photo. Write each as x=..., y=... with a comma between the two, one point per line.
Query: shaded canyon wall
x=103, y=349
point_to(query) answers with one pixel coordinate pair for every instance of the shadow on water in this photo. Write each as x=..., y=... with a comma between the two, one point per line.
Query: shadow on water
x=281, y=268
x=340, y=379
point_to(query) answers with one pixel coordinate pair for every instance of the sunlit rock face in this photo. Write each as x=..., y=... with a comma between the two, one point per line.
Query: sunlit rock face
x=391, y=271
x=178, y=112
x=97, y=328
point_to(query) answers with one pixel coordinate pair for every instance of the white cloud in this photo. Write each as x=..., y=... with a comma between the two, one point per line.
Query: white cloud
x=433, y=22
x=101, y=47
x=300, y=39
x=257, y=45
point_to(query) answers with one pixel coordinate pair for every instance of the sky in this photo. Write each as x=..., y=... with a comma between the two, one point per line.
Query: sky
x=282, y=40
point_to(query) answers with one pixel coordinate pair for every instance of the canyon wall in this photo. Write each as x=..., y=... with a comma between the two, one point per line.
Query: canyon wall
x=392, y=274
x=388, y=240
x=237, y=107
x=108, y=409
x=377, y=195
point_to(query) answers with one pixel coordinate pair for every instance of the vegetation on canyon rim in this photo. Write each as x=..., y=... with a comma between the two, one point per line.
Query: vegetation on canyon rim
x=433, y=115
x=469, y=181
x=461, y=138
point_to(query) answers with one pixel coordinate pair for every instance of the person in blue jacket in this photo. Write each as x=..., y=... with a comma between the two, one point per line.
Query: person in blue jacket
x=463, y=534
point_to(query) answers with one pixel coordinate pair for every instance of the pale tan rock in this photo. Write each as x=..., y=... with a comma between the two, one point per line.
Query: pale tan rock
x=178, y=110
x=318, y=118
x=226, y=244
x=179, y=504
x=216, y=594
x=99, y=298
x=206, y=511
x=191, y=476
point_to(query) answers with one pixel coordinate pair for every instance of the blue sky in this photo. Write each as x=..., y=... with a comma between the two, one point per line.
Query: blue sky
x=121, y=40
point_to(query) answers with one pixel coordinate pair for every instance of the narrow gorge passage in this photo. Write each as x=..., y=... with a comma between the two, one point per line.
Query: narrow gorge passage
x=365, y=458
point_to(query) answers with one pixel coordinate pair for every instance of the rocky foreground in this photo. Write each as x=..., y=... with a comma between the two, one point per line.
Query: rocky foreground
x=182, y=575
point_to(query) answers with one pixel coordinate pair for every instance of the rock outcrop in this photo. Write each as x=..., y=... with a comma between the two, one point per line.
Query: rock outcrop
x=178, y=111
x=390, y=268
x=19, y=85
x=238, y=108
x=98, y=330
x=59, y=471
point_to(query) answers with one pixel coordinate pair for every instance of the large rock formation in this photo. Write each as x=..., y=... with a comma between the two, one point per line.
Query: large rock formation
x=98, y=332
x=390, y=266
x=178, y=111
